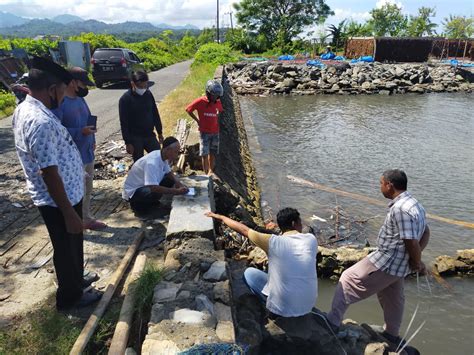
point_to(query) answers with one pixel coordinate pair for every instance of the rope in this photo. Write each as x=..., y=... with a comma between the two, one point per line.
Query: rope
x=330, y=329
x=372, y=200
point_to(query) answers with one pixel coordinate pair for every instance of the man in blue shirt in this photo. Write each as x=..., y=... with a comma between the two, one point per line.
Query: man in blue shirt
x=76, y=117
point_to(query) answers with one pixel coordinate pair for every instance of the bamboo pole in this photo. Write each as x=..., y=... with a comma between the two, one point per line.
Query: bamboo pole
x=371, y=200
x=93, y=321
x=122, y=330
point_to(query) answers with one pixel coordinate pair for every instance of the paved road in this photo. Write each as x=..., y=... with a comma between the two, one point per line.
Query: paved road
x=104, y=104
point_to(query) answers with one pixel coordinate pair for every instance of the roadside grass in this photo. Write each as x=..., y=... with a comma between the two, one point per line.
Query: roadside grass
x=7, y=111
x=143, y=288
x=45, y=331
x=173, y=106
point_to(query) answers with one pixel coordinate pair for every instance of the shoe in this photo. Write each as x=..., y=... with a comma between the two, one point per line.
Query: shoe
x=94, y=225
x=89, y=278
x=322, y=318
x=88, y=298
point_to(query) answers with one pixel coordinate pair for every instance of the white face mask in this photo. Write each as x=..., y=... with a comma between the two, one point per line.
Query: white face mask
x=140, y=91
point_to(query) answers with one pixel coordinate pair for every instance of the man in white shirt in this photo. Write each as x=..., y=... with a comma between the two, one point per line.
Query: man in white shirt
x=151, y=177
x=54, y=178
x=290, y=288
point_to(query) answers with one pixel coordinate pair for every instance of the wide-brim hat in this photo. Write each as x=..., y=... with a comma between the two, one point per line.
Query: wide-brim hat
x=52, y=68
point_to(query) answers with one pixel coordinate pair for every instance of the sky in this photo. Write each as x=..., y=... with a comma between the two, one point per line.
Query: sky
x=202, y=13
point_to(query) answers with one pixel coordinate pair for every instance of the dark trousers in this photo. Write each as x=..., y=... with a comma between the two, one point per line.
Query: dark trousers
x=68, y=255
x=144, y=199
x=143, y=143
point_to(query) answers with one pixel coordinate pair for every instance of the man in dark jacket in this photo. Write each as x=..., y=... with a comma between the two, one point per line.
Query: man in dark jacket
x=139, y=117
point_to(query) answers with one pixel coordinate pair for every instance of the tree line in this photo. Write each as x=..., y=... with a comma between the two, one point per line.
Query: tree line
x=279, y=25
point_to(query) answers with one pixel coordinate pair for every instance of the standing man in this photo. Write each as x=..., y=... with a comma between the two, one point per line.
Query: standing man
x=401, y=240
x=151, y=177
x=75, y=115
x=290, y=288
x=55, y=177
x=208, y=108
x=139, y=117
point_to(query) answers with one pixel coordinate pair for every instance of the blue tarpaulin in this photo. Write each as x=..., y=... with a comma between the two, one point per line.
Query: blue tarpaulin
x=286, y=57
x=315, y=63
x=328, y=56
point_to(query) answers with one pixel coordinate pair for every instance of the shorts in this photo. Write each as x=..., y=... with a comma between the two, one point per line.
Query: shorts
x=208, y=143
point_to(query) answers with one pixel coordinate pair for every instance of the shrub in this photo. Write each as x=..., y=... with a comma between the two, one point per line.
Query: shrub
x=7, y=102
x=215, y=54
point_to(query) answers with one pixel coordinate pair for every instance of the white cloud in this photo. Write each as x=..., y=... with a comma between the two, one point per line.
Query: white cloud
x=341, y=14
x=175, y=12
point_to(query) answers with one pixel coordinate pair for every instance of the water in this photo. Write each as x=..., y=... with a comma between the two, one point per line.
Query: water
x=346, y=142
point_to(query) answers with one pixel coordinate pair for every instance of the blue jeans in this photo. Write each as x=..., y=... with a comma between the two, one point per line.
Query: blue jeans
x=256, y=280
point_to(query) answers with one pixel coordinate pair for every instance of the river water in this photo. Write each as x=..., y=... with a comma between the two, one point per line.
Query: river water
x=345, y=143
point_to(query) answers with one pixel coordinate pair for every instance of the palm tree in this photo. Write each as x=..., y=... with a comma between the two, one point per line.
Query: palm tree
x=337, y=33
x=421, y=24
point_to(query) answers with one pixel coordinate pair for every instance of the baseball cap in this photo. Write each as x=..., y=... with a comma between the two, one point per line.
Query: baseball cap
x=81, y=75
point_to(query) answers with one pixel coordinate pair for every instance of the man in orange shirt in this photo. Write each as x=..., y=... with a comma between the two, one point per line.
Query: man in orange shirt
x=208, y=108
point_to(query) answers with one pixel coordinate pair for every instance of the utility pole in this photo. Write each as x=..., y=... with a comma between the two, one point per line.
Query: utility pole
x=217, y=27
x=232, y=24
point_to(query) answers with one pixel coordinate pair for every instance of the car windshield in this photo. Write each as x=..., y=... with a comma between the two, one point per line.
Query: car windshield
x=108, y=54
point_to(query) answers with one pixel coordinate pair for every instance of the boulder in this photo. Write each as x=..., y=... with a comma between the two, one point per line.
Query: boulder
x=222, y=292
x=158, y=313
x=225, y=331
x=189, y=316
x=165, y=292
x=222, y=312
x=203, y=304
x=217, y=272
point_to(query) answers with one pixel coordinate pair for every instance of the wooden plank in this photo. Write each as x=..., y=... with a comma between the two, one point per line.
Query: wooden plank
x=122, y=330
x=93, y=321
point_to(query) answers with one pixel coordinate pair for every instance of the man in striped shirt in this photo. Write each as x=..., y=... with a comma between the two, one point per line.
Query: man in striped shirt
x=400, y=242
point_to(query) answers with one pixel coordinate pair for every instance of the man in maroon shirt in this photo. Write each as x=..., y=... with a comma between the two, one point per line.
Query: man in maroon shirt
x=208, y=108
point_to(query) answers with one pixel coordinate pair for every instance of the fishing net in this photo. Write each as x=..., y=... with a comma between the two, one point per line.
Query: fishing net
x=216, y=348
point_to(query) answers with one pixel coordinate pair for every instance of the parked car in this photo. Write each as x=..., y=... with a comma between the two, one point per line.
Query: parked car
x=114, y=64
x=20, y=88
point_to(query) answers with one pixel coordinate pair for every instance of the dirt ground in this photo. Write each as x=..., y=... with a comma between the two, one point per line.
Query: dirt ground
x=26, y=267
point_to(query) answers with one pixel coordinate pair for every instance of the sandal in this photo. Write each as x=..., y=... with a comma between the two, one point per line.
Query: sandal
x=95, y=225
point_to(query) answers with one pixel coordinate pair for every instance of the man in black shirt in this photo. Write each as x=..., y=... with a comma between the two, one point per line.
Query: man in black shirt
x=139, y=117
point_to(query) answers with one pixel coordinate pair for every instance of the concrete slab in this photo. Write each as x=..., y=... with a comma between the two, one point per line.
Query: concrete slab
x=187, y=213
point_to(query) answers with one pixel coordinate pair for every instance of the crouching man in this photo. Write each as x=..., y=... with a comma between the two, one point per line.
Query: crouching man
x=290, y=288
x=151, y=177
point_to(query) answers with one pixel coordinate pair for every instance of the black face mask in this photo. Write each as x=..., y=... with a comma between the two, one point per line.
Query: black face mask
x=54, y=101
x=82, y=92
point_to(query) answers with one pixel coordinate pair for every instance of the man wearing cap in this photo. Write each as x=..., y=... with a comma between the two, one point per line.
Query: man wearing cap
x=75, y=115
x=54, y=175
x=139, y=117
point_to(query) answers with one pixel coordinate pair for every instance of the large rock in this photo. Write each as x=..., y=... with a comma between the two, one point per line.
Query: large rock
x=189, y=316
x=165, y=292
x=217, y=272
x=187, y=213
x=203, y=304
x=225, y=331
x=222, y=312
x=222, y=292
x=165, y=347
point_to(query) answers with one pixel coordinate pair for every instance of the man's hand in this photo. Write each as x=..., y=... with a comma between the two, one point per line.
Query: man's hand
x=73, y=222
x=88, y=130
x=181, y=190
x=213, y=215
x=129, y=148
x=417, y=267
x=161, y=138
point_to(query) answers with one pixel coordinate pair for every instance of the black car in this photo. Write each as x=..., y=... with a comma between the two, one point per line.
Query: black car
x=114, y=64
